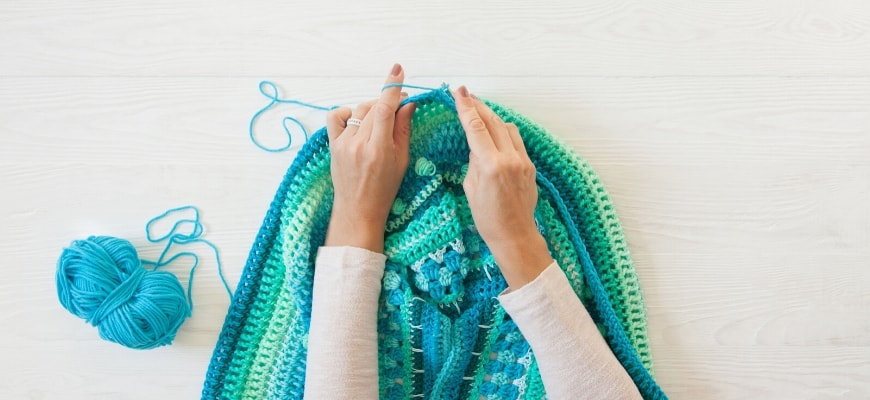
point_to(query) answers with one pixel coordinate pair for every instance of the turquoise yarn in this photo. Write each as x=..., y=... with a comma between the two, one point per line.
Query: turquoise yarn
x=270, y=91
x=101, y=280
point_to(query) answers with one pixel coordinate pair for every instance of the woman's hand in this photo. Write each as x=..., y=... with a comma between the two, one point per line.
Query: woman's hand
x=367, y=165
x=501, y=191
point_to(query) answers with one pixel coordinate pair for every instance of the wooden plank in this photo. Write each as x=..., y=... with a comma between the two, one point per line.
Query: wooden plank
x=677, y=121
x=775, y=372
x=489, y=38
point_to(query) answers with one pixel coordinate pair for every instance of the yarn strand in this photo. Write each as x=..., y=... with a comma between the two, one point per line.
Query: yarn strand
x=407, y=85
x=270, y=91
x=174, y=237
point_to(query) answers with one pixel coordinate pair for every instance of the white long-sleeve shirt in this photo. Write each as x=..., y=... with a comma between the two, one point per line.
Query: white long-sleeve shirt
x=573, y=358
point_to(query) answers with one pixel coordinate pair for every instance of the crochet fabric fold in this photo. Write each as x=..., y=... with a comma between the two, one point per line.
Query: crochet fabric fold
x=443, y=334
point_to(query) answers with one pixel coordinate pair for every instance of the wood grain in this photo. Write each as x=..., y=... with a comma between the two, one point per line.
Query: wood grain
x=733, y=136
x=677, y=121
x=486, y=38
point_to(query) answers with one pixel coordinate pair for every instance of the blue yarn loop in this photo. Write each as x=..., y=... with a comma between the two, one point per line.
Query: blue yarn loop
x=102, y=280
x=269, y=90
x=176, y=236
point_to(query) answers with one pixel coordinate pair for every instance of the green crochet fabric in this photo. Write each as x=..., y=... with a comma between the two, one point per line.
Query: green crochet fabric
x=443, y=333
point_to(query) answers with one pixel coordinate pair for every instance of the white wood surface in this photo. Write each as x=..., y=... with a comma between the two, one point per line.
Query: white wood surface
x=733, y=135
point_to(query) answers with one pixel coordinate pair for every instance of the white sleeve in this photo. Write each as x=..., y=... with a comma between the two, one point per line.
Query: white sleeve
x=574, y=360
x=342, y=358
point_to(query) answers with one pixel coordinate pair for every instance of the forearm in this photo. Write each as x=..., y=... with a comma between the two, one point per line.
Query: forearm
x=574, y=360
x=342, y=342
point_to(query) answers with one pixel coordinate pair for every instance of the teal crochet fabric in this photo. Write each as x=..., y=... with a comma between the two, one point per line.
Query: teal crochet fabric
x=443, y=333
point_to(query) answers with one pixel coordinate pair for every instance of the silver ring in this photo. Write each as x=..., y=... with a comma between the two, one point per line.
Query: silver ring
x=354, y=122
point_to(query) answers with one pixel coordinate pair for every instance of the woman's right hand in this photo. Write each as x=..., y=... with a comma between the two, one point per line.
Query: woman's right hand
x=501, y=191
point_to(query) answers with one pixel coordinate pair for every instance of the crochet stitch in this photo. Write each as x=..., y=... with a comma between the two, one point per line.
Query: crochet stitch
x=442, y=332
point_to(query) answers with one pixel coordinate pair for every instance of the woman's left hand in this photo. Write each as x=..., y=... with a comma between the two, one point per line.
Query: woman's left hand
x=367, y=165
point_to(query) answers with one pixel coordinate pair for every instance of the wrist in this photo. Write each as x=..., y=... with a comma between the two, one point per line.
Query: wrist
x=346, y=229
x=521, y=258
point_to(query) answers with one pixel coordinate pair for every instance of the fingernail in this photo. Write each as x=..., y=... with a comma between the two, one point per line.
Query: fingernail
x=397, y=69
x=463, y=91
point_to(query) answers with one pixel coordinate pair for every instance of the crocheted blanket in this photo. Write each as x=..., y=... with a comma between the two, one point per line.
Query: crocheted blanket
x=439, y=321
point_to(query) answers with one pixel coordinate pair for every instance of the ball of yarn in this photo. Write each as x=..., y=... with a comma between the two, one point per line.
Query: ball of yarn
x=101, y=280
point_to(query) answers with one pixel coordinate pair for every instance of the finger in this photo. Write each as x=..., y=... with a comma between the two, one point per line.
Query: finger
x=359, y=113
x=497, y=128
x=335, y=122
x=402, y=132
x=516, y=139
x=362, y=109
x=479, y=139
x=383, y=113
